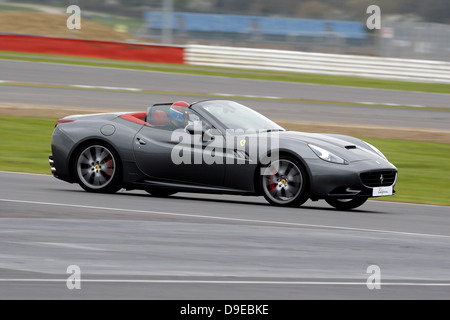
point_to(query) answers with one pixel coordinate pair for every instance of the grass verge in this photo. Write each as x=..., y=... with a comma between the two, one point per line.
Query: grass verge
x=132, y=24
x=424, y=169
x=25, y=144
x=4, y=7
x=234, y=73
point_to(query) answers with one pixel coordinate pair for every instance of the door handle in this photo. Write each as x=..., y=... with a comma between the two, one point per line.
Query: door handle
x=141, y=142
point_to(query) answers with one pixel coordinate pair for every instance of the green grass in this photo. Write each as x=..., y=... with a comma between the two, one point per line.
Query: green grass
x=234, y=73
x=25, y=144
x=424, y=168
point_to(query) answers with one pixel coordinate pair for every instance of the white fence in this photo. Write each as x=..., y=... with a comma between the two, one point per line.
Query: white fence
x=318, y=63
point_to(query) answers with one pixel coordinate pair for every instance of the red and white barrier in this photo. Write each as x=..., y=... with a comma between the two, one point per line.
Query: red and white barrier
x=93, y=48
x=231, y=57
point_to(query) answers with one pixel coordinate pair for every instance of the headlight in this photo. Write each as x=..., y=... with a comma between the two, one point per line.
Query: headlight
x=327, y=155
x=374, y=149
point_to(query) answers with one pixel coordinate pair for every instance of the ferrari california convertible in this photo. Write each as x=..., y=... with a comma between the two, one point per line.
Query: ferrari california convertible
x=216, y=146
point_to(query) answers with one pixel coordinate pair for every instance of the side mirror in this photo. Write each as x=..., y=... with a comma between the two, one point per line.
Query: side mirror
x=190, y=128
x=207, y=136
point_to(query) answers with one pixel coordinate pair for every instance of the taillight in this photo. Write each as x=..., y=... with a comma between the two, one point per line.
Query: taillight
x=63, y=121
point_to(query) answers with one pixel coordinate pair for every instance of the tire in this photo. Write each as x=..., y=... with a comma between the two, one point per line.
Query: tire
x=285, y=183
x=160, y=193
x=346, y=204
x=97, y=168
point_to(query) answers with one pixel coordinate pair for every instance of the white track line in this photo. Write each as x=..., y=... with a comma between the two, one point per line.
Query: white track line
x=247, y=282
x=28, y=174
x=196, y=216
x=103, y=87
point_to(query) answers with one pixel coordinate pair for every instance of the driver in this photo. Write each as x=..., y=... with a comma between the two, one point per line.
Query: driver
x=179, y=115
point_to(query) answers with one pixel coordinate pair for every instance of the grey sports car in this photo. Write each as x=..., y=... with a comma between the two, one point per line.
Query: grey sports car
x=216, y=146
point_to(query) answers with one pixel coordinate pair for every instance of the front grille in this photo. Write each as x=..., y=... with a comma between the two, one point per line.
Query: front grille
x=379, y=178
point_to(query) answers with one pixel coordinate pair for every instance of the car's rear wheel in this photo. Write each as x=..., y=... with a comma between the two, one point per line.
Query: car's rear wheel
x=284, y=182
x=160, y=193
x=346, y=204
x=97, y=168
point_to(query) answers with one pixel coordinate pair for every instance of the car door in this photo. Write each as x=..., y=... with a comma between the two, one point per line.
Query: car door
x=170, y=155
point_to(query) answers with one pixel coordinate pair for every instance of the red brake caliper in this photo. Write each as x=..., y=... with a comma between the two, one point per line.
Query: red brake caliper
x=272, y=184
x=109, y=166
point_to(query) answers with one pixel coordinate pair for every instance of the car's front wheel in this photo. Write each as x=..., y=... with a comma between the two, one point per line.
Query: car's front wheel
x=97, y=168
x=284, y=182
x=346, y=204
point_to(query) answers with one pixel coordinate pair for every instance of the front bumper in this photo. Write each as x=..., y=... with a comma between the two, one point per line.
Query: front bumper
x=351, y=192
x=345, y=181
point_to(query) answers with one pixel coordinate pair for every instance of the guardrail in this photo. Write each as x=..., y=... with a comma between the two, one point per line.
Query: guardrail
x=92, y=48
x=318, y=63
x=232, y=57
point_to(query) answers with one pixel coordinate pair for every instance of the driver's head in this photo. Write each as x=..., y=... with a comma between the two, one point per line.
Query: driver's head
x=178, y=112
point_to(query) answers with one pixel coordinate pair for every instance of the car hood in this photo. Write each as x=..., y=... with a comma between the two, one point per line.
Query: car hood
x=346, y=147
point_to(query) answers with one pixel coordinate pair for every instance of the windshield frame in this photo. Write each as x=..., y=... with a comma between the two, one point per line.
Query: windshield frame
x=199, y=107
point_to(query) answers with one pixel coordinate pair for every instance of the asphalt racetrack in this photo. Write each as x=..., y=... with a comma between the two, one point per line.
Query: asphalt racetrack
x=134, y=246
x=194, y=246
x=167, y=87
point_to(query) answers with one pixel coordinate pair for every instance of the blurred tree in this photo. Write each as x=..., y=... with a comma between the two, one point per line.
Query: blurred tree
x=180, y=5
x=430, y=10
x=435, y=10
x=199, y=5
x=315, y=10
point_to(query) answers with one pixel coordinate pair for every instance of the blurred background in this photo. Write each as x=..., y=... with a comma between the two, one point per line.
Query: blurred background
x=329, y=74
x=410, y=29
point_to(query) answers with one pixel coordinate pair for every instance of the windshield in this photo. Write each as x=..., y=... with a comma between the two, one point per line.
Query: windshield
x=237, y=116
